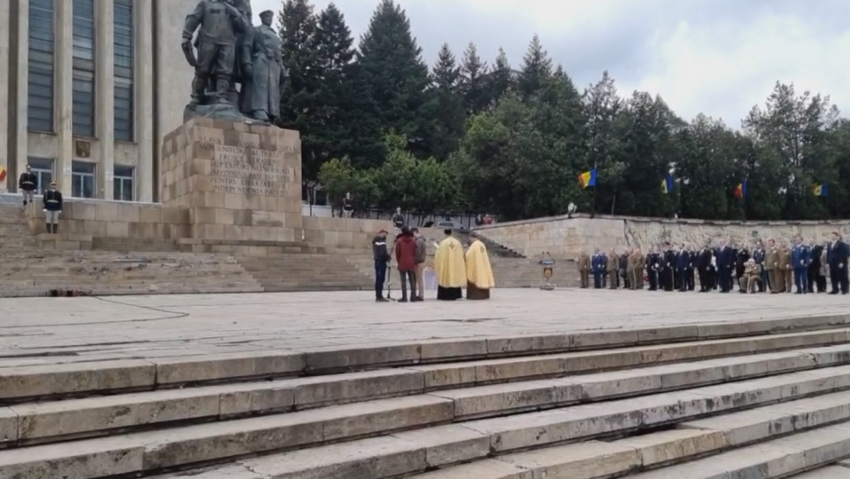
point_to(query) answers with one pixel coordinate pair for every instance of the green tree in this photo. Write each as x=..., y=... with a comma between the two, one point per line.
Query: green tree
x=473, y=81
x=391, y=65
x=794, y=128
x=706, y=168
x=342, y=98
x=516, y=159
x=432, y=188
x=500, y=78
x=648, y=150
x=445, y=106
x=604, y=129
x=535, y=70
x=394, y=177
x=299, y=98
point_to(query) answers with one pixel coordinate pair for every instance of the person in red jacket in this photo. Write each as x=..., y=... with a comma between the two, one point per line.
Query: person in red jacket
x=405, y=256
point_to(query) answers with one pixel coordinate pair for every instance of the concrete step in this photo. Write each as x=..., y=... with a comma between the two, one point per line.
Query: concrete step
x=829, y=472
x=160, y=449
x=639, y=346
x=165, y=412
x=90, y=416
x=440, y=447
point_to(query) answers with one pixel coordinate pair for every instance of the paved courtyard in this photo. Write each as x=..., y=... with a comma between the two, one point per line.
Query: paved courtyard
x=49, y=330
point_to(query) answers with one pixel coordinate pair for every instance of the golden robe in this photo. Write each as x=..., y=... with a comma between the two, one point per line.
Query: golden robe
x=479, y=274
x=449, y=266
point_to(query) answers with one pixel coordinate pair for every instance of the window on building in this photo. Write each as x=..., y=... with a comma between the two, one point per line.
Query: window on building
x=123, y=183
x=43, y=169
x=83, y=89
x=82, y=180
x=40, y=70
x=123, y=20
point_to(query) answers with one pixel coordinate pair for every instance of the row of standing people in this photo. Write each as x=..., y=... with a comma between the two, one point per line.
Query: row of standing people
x=774, y=267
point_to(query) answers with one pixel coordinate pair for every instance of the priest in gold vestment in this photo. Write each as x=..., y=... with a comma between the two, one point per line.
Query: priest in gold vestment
x=449, y=265
x=479, y=274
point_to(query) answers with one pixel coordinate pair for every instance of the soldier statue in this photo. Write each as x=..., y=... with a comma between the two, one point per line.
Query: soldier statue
x=231, y=52
x=261, y=95
x=218, y=24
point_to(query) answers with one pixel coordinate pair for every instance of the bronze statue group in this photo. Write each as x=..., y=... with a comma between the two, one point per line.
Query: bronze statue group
x=774, y=266
x=231, y=51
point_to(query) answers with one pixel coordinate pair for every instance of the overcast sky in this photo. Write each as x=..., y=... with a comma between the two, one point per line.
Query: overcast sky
x=719, y=57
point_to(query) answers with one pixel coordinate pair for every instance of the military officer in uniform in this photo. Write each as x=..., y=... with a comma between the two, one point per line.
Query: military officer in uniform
x=219, y=22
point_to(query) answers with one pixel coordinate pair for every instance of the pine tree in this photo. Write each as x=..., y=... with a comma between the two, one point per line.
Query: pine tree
x=500, y=79
x=391, y=64
x=445, y=106
x=299, y=98
x=473, y=81
x=536, y=68
x=345, y=131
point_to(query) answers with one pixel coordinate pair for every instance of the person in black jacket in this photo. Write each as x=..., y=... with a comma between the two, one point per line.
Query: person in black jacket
x=703, y=269
x=28, y=184
x=816, y=281
x=52, y=208
x=836, y=255
x=381, y=255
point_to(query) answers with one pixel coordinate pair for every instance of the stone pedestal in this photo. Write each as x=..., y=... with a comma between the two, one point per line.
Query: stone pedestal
x=240, y=182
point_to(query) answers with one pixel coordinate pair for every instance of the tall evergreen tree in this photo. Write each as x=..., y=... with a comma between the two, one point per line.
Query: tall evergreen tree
x=500, y=78
x=446, y=108
x=536, y=68
x=345, y=131
x=391, y=64
x=299, y=98
x=473, y=81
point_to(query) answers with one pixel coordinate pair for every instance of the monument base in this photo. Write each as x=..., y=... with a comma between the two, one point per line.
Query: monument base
x=217, y=111
x=239, y=181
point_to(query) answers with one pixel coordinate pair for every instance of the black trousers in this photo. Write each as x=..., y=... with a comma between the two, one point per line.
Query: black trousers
x=839, y=279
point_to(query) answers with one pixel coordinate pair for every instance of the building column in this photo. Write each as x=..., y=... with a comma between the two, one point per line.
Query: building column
x=143, y=57
x=18, y=131
x=5, y=44
x=64, y=94
x=104, y=84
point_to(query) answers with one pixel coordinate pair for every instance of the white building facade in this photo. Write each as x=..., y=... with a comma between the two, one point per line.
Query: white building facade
x=88, y=89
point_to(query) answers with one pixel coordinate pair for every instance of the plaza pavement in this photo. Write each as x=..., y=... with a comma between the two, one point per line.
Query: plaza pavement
x=37, y=331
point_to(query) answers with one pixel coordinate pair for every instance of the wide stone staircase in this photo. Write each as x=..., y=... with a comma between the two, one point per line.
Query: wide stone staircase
x=140, y=266
x=27, y=269
x=307, y=272
x=766, y=399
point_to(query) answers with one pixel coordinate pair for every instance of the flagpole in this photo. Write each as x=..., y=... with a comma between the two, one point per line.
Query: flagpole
x=595, y=183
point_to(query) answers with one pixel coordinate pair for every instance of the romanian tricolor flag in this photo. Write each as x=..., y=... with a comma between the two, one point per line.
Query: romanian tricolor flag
x=741, y=190
x=820, y=190
x=667, y=185
x=588, y=178
x=2, y=173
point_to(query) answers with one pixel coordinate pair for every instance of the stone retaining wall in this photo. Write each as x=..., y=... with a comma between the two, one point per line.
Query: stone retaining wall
x=118, y=219
x=564, y=237
x=151, y=222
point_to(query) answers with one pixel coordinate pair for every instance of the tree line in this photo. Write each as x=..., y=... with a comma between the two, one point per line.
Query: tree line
x=473, y=135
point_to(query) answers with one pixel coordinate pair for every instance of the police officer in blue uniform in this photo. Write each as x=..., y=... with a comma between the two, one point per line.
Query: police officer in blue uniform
x=597, y=267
